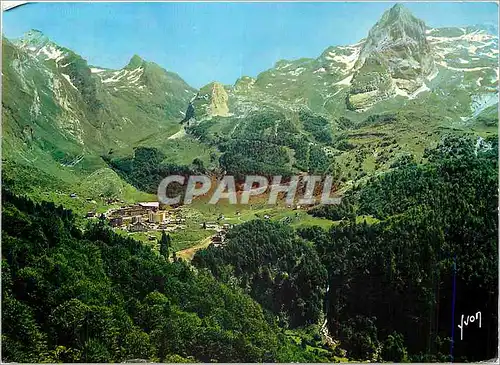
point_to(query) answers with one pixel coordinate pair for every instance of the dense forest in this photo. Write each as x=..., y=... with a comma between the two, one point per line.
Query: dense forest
x=146, y=169
x=96, y=296
x=408, y=253
x=391, y=283
x=281, y=271
x=270, y=143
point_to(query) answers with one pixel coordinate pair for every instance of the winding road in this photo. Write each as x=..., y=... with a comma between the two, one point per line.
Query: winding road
x=188, y=253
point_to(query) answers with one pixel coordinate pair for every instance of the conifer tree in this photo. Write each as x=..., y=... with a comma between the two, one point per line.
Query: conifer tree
x=164, y=244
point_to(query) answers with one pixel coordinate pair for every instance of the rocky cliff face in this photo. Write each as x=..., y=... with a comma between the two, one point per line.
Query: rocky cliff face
x=218, y=101
x=396, y=55
x=211, y=101
x=401, y=62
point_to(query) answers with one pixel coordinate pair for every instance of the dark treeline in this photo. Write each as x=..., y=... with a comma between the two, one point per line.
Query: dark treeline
x=394, y=279
x=279, y=270
x=146, y=169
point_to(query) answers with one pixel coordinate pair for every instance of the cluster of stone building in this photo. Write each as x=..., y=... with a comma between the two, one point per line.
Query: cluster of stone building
x=219, y=237
x=143, y=217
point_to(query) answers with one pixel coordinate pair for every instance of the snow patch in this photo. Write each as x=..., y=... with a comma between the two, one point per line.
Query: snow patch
x=472, y=49
x=476, y=36
x=433, y=74
x=69, y=80
x=348, y=60
x=51, y=52
x=281, y=67
x=468, y=69
x=346, y=81
x=297, y=71
x=132, y=77
x=321, y=69
x=96, y=70
x=117, y=75
x=401, y=92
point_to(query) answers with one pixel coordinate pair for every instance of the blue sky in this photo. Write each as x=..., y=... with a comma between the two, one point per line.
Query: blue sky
x=220, y=41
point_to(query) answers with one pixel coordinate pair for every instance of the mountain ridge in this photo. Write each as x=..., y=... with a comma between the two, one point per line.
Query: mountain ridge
x=99, y=111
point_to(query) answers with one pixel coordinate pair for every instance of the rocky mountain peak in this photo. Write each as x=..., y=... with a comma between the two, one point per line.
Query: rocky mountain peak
x=396, y=54
x=38, y=44
x=135, y=62
x=398, y=35
x=210, y=101
x=33, y=40
x=398, y=13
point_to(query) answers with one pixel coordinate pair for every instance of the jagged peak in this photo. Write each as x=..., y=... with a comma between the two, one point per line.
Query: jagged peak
x=135, y=62
x=33, y=38
x=397, y=23
x=395, y=54
x=398, y=13
x=399, y=10
x=400, y=22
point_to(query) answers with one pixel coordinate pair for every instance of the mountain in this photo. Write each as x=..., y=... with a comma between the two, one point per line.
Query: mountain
x=406, y=122
x=356, y=108
x=359, y=108
x=396, y=55
x=400, y=60
x=62, y=113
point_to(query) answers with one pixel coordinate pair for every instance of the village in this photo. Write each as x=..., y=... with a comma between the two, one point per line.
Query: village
x=154, y=216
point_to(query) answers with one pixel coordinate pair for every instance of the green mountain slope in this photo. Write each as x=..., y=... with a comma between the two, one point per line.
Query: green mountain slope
x=355, y=109
x=61, y=115
x=406, y=120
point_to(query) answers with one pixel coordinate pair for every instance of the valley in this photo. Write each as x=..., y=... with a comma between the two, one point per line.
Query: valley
x=405, y=120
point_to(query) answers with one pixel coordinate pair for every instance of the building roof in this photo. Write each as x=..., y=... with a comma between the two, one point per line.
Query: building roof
x=150, y=204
